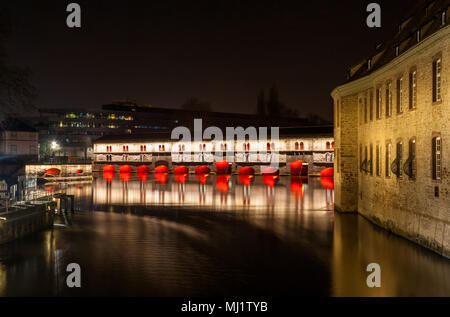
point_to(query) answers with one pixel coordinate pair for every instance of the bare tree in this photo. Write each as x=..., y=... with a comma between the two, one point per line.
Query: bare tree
x=16, y=93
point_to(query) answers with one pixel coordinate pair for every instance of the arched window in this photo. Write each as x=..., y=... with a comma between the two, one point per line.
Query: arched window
x=142, y=148
x=204, y=147
x=268, y=146
x=225, y=146
x=332, y=145
x=159, y=148
x=328, y=145
x=145, y=148
x=164, y=148
x=302, y=146
x=124, y=148
x=296, y=146
x=248, y=146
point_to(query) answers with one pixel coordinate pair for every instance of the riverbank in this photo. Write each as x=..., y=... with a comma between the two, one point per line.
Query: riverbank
x=25, y=220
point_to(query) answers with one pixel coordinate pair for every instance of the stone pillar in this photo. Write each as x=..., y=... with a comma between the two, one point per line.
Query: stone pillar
x=346, y=162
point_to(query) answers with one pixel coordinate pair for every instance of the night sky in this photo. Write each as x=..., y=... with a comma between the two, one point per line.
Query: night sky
x=220, y=51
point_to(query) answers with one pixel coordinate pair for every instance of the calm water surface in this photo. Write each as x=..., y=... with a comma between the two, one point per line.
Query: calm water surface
x=160, y=235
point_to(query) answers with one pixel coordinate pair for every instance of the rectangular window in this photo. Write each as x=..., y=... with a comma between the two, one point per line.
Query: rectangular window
x=13, y=149
x=437, y=80
x=400, y=95
x=437, y=146
x=413, y=90
x=379, y=97
x=399, y=158
x=378, y=161
x=365, y=111
x=371, y=105
x=388, y=160
x=388, y=100
x=371, y=160
x=412, y=158
x=365, y=159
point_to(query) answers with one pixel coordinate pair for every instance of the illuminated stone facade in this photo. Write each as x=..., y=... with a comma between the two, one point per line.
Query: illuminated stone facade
x=392, y=131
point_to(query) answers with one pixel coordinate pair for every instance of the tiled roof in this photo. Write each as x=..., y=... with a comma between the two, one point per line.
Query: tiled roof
x=425, y=17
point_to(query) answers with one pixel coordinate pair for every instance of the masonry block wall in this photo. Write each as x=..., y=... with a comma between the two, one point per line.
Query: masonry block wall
x=371, y=126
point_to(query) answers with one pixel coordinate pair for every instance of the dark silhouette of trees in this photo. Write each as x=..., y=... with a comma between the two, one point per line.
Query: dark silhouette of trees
x=194, y=104
x=261, y=104
x=16, y=93
x=273, y=107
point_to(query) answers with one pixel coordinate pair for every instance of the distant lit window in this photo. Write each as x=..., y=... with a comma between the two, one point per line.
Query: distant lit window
x=302, y=146
x=296, y=146
x=328, y=145
x=443, y=18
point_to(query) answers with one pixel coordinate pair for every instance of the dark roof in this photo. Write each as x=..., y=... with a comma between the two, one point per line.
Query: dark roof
x=14, y=124
x=424, y=16
x=323, y=130
x=133, y=137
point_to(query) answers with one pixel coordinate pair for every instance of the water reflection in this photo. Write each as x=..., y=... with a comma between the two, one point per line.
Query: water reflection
x=267, y=236
x=221, y=192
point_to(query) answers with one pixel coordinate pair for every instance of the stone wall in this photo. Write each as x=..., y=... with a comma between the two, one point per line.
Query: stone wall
x=418, y=208
x=22, y=223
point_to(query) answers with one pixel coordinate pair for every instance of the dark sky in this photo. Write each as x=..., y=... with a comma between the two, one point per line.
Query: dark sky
x=221, y=51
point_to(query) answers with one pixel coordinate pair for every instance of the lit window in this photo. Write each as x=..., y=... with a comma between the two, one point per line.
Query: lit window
x=379, y=101
x=400, y=95
x=437, y=80
x=389, y=100
x=413, y=90
x=437, y=146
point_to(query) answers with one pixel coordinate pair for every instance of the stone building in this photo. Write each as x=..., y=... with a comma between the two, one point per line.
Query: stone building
x=392, y=131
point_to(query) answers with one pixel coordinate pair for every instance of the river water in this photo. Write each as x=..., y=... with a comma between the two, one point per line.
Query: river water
x=166, y=235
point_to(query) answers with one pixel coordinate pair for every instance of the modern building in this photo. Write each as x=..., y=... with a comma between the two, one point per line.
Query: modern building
x=392, y=125
x=313, y=145
x=69, y=134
